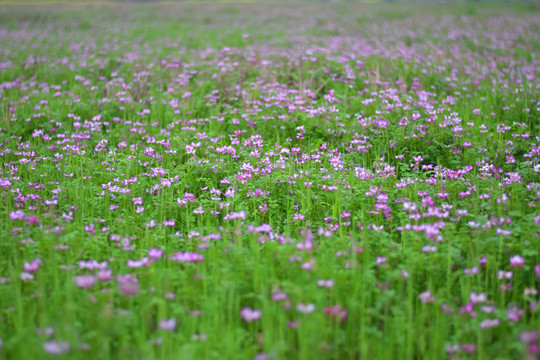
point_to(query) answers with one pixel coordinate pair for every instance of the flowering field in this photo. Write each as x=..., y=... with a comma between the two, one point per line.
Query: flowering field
x=270, y=182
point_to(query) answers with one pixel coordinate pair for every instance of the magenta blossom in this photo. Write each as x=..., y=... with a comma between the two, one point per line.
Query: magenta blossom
x=187, y=257
x=305, y=308
x=167, y=325
x=426, y=297
x=517, y=261
x=489, y=323
x=515, y=314
x=56, y=347
x=104, y=275
x=155, y=254
x=26, y=276
x=249, y=315
x=128, y=285
x=338, y=313
x=85, y=281
x=32, y=266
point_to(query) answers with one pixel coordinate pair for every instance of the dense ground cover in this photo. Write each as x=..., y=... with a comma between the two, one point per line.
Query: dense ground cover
x=269, y=182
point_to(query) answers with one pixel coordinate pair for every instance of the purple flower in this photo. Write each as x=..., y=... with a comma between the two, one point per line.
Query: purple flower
x=249, y=315
x=426, y=297
x=17, y=215
x=528, y=336
x=305, y=308
x=483, y=260
x=128, y=285
x=167, y=325
x=85, y=281
x=90, y=228
x=517, y=261
x=308, y=265
x=187, y=257
x=489, y=323
x=33, y=266
x=469, y=348
x=515, y=313
x=26, y=276
x=130, y=288
x=477, y=298
x=155, y=254
x=325, y=283
x=279, y=296
x=336, y=312
x=104, y=275
x=56, y=347
x=168, y=222
x=138, y=263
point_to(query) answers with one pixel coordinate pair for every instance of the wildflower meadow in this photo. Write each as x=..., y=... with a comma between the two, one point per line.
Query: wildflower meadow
x=249, y=181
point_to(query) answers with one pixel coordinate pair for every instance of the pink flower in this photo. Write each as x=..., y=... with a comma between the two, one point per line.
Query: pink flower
x=48, y=331
x=469, y=348
x=260, y=356
x=336, y=312
x=528, y=336
x=325, y=283
x=501, y=275
x=85, y=281
x=279, y=296
x=138, y=263
x=489, y=323
x=17, y=215
x=249, y=315
x=129, y=288
x=26, y=276
x=537, y=271
x=187, y=257
x=167, y=325
x=477, y=298
x=128, y=285
x=293, y=324
x=305, y=308
x=426, y=297
x=308, y=265
x=515, y=314
x=404, y=273
x=155, y=254
x=33, y=266
x=104, y=275
x=517, y=261
x=90, y=228
x=56, y=347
